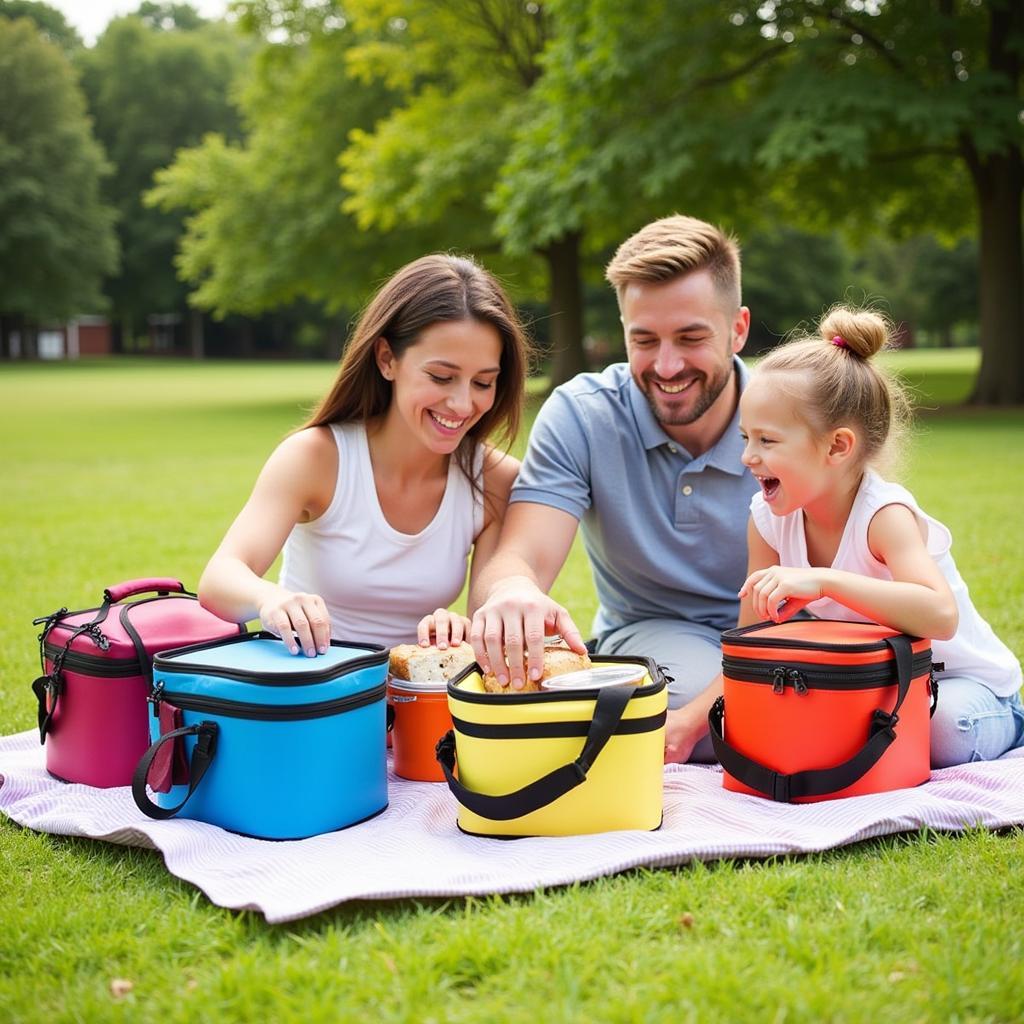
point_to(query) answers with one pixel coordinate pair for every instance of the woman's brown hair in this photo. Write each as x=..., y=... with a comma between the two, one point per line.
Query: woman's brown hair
x=433, y=289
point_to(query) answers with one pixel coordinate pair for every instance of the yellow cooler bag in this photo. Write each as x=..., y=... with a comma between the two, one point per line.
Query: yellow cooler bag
x=558, y=762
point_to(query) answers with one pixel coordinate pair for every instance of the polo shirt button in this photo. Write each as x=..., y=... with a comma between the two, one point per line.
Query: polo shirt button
x=687, y=490
x=672, y=448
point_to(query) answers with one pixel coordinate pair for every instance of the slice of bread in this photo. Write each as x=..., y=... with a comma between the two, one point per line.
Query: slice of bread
x=429, y=664
x=558, y=660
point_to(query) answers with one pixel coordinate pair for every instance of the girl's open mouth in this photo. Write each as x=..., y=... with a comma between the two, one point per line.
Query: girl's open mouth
x=769, y=486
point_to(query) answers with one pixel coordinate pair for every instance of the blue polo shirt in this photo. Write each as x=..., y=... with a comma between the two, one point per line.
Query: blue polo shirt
x=666, y=533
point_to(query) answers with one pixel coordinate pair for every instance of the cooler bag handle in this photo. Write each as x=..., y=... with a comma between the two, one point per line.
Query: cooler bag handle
x=818, y=781
x=202, y=757
x=608, y=711
x=129, y=588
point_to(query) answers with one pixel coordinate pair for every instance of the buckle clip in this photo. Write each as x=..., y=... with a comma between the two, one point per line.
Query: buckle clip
x=780, y=788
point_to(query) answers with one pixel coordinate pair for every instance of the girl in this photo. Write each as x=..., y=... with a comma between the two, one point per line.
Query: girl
x=828, y=534
x=378, y=500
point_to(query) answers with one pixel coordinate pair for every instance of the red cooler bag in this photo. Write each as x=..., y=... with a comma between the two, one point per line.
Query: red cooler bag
x=97, y=673
x=815, y=709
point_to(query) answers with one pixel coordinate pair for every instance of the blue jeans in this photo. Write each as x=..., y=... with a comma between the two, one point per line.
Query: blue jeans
x=972, y=724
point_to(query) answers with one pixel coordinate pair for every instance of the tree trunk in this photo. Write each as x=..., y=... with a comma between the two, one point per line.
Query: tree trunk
x=999, y=183
x=566, y=303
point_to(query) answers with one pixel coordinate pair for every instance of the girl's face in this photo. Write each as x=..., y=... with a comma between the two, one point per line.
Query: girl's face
x=788, y=459
x=444, y=382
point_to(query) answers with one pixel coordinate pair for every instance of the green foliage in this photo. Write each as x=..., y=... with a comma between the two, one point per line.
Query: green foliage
x=56, y=236
x=156, y=82
x=50, y=22
x=919, y=927
x=265, y=224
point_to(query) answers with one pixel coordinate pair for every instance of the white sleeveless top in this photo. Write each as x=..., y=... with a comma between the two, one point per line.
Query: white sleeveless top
x=975, y=651
x=378, y=583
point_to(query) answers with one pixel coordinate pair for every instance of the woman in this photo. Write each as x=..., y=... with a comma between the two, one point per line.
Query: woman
x=379, y=499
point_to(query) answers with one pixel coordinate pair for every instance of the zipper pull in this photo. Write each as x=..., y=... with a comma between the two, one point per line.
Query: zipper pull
x=778, y=679
x=155, y=697
x=97, y=637
x=799, y=686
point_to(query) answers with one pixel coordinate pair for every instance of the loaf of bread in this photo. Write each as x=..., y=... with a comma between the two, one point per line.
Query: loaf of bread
x=429, y=664
x=558, y=659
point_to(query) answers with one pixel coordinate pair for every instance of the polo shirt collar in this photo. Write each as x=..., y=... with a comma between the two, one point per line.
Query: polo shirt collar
x=725, y=455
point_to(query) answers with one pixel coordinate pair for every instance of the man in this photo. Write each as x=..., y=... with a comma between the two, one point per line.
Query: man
x=646, y=457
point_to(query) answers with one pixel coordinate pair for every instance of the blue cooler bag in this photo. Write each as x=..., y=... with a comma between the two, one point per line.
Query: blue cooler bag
x=267, y=743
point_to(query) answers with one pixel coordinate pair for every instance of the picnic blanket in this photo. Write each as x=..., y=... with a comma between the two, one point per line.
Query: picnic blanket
x=415, y=849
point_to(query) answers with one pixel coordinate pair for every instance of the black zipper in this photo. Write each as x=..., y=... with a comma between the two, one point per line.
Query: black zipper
x=303, y=677
x=265, y=712
x=93, y=664
x=801, y=675
x=742, y=637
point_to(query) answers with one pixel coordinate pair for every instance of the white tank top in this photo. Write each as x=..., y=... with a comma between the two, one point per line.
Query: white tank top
x=975, y=651
x=378, y=583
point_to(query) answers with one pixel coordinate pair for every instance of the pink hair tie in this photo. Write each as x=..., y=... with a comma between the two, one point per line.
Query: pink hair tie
x=839, y=342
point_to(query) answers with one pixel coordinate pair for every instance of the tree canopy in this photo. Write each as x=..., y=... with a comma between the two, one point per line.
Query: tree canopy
x=56, y=235
x=156, y=82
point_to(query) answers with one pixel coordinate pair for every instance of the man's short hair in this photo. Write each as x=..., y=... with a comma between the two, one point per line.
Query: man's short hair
x=676, y=246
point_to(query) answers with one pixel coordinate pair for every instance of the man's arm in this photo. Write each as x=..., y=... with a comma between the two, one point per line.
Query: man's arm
x=510, y=594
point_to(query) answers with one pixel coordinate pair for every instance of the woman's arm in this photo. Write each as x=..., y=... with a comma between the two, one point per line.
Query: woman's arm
x=917, y=600
x=687, y=725
x=500, y=471
x=294, y=486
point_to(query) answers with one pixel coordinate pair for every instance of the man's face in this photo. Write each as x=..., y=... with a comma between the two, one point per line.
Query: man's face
x=680, y=339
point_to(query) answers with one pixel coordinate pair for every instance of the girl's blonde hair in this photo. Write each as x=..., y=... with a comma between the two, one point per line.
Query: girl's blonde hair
x=837, y=382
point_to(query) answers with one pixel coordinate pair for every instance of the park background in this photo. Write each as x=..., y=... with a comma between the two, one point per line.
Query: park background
x=225, y=194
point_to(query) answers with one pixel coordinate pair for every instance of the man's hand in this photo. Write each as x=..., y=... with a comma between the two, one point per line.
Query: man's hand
x=519, y=613
x=684, y=728
x=777, y=586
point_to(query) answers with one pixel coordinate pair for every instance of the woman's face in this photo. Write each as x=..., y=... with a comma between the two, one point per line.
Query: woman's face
x=444, y=382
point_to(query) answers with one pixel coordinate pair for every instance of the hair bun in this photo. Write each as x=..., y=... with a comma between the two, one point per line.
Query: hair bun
x=863, y=331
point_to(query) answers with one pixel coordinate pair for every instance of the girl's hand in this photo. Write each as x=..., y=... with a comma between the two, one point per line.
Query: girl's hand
x=769, y=589
x=442, y=628
x=289, y=614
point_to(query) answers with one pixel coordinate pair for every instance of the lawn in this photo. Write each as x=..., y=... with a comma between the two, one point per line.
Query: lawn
x=120, y=469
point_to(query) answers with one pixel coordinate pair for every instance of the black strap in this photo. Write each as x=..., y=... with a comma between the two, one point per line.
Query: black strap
x=818, y=781
x=44, y=687
x=608, y=711
x=202, y=757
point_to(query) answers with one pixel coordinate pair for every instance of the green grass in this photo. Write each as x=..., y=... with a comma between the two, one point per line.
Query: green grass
x=118, y=469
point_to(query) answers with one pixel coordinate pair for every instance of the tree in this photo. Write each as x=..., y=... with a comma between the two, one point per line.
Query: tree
x=854, y=114
x=56, y=235
x=467, y=73
x=156, y=82
x=50, y=23
x=265, y=226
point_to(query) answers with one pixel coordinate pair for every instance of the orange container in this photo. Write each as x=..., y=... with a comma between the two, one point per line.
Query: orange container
x=420, y=718
x=817, y=709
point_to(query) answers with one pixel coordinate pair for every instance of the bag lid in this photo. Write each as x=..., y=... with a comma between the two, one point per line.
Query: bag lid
x=258, y=657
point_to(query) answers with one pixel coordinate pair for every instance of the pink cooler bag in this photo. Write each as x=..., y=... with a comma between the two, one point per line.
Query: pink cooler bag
x=97, y=672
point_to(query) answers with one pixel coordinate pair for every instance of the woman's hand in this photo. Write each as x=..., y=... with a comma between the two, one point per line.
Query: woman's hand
x=303, y=615
x=769, y=589
x=442, y=628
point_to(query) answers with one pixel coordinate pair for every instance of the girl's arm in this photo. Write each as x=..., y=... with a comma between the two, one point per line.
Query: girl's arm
x=687, y=725
x=295, y=485
x=917, y=600
x=500, y=472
